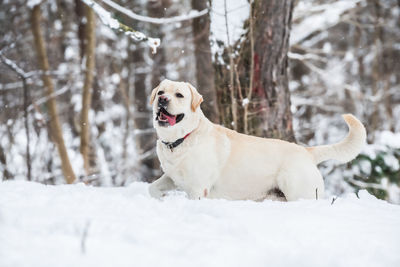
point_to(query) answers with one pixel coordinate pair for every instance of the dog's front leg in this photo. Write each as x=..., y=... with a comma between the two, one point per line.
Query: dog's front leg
x=200, y=188
x=198, y=192
x=161, y=186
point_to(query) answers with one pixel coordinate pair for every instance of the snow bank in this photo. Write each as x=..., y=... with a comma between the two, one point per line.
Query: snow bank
x=45, y=226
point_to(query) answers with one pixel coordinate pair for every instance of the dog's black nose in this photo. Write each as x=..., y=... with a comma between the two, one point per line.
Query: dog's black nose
x=163, y=100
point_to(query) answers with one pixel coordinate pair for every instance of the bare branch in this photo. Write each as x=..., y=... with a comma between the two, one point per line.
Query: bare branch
x=11, y=64
x=231, y=74
x=193, y=14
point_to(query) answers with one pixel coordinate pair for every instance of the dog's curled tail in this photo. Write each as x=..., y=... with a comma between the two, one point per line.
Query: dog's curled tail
x=345, y=150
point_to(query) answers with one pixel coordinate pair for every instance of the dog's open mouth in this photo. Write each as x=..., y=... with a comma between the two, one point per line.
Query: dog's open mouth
x=166, y=119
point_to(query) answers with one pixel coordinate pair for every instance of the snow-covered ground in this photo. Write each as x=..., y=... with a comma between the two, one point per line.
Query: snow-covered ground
x=78, y=225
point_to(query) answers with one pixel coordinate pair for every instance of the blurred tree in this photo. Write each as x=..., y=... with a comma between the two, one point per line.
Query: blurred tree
x=156, y=8
x=87, y=88
x=80, y=15
x=55, y=127
x=204, y=68
x=145, y=138
x=6, y=174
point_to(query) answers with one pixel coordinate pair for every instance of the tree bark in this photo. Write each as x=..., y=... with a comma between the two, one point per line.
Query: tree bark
x=55, y=127
x=27, y=131
x=376, y=74
x=3, y=160
x=271, y=37
x=80, y=13
x=204, y=67
x=87, y=88
x=143, y=119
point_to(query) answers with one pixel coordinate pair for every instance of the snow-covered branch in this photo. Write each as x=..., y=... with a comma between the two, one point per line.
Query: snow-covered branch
x=193, y=14
x=11, y=64
x=109, y=21
x=321, y=18
x=44, y=99
x=302, y=57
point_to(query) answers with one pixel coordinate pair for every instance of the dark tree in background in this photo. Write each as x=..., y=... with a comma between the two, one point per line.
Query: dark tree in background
x=260, y=74
x=156, y=8
x=272, y=22
x=54, y=124
x=204, y=67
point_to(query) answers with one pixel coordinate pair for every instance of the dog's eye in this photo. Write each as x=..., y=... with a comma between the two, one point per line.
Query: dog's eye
x=160, y=93
x=179, y=95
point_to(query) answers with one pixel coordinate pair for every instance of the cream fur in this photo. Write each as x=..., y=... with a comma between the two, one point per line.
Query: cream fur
x=216, y=162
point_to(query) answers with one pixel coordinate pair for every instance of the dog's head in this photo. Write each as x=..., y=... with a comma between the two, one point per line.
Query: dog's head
x=175, y=108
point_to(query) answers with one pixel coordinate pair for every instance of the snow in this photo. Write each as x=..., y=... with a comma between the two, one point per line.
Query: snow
x=104, y=16
x=109, y=21
x=389, y=139
x=237, y=12
x=391, y=161
x=323, y=17
x=32, y=3
x=78, y=225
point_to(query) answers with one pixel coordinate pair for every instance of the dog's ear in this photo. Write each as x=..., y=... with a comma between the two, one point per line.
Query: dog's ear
x=153, y=95
x=196, y=97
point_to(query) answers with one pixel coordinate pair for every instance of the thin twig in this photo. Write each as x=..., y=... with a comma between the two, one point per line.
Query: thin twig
x=238, y=83
x=231, y=69
x=250, y=89
x=333, y=200
x=84, y=237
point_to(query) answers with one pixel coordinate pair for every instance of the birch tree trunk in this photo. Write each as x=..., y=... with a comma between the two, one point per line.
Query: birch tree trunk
x=55, y=127
x=204, y=67
x=87, y=88
x=271, y=41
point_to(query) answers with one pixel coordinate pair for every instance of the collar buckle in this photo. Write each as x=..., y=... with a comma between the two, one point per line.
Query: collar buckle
x=172, y=145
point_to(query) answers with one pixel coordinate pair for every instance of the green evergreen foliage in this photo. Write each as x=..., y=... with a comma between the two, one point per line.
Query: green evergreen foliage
x=378, y=171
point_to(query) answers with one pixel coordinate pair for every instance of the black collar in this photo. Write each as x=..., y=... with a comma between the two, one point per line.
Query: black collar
x=172, y=145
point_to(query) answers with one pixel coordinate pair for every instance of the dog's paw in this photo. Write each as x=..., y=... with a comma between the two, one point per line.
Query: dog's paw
x=155, y=192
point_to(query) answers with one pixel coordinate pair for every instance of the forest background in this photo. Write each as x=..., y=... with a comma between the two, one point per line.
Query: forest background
x=74, y=87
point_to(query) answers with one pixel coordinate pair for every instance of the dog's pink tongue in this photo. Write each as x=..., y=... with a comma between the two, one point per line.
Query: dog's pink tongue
x=171, y=120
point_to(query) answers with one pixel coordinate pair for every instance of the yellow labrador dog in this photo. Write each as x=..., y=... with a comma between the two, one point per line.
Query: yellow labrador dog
x=207, y=160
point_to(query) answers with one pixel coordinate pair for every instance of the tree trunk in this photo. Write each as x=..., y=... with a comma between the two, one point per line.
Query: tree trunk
x=204, y=67
x=271, y=37
x=87, y=88
x=376, y=74
x=3, y=160
x=27, y=131
x=156, y=8
x=143, y=119
x=80, y=13
x=55, y=127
